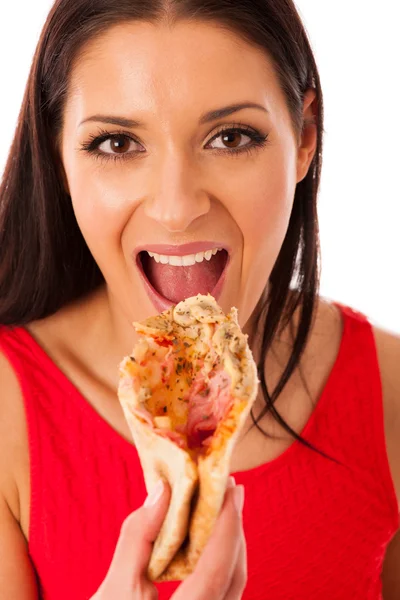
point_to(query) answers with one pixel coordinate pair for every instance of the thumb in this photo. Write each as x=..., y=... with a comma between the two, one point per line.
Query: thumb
x=138, y=533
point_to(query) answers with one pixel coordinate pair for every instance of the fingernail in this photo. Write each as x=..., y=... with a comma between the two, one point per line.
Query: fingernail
x=238, y=498
x=231, y=482
x=155, y=494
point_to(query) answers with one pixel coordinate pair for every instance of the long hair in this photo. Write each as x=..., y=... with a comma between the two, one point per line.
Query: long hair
x=45, y=262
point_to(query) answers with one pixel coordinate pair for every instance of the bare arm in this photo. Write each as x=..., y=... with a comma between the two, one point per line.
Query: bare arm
x=391, y=570
x=388, y=347
x=17, y=579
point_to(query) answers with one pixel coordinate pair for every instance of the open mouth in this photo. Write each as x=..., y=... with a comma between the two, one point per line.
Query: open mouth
x=174, y=278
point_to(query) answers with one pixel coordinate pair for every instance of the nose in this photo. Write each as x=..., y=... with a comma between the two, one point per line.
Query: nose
x=178, y=199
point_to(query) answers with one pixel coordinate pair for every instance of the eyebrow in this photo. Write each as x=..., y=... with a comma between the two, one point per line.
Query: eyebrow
x=212, y=115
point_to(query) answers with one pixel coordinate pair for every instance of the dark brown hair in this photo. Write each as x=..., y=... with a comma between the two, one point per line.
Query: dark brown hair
x=45, y=262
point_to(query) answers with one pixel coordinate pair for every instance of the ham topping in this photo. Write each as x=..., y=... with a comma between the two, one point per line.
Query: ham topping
x=173, y=436
x=209, y=402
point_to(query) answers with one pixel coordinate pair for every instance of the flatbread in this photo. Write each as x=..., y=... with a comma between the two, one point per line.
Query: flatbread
x=186, y=392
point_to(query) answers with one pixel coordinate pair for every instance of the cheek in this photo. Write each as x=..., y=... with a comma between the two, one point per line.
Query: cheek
x=102, y=203
x=263, y=204
x=267, y=216
x=262, y=212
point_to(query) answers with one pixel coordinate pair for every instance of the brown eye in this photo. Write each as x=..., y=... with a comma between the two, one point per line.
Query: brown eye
x=117, y=144
x=231, y=139
x=120, y=144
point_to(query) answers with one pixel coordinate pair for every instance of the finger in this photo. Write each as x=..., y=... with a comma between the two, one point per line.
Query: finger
x=138, y=533
x=214, y=571
x=239, y=579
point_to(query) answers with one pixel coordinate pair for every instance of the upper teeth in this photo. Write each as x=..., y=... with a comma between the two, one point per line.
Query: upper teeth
x=183, y=261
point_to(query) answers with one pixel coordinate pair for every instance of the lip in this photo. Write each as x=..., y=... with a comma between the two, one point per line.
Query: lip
x=161, y=303
x=181, y=249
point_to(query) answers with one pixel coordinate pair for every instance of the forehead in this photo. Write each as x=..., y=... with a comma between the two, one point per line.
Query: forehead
x=142, y=66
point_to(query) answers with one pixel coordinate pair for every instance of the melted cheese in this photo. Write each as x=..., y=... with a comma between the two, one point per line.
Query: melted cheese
x=193, y=339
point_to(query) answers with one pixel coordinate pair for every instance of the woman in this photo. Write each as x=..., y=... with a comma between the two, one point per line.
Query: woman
x=160, y=129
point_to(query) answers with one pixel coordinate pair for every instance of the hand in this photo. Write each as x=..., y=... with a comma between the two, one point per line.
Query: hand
x=220, y=574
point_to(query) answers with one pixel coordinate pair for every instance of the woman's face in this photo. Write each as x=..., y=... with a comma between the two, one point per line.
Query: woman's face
x=153, y=157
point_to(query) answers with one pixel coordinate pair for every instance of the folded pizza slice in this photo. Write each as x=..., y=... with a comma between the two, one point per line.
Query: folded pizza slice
x=186, y=392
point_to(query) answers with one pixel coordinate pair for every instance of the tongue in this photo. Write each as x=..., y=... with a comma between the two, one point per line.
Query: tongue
x=178, y=283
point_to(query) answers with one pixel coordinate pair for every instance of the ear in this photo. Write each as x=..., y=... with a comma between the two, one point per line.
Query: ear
x=308, y=137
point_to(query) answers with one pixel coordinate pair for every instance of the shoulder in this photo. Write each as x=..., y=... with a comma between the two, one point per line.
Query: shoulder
x=387, y=345
x=328, y=325
x=14, y=456
x=388, y=351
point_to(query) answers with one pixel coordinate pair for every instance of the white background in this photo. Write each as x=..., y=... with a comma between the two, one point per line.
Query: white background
x=357, y=51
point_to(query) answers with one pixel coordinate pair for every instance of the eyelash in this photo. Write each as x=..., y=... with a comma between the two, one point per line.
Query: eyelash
x=258, y=141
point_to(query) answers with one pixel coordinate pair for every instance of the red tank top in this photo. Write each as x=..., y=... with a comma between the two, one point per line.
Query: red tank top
x=314, y=528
